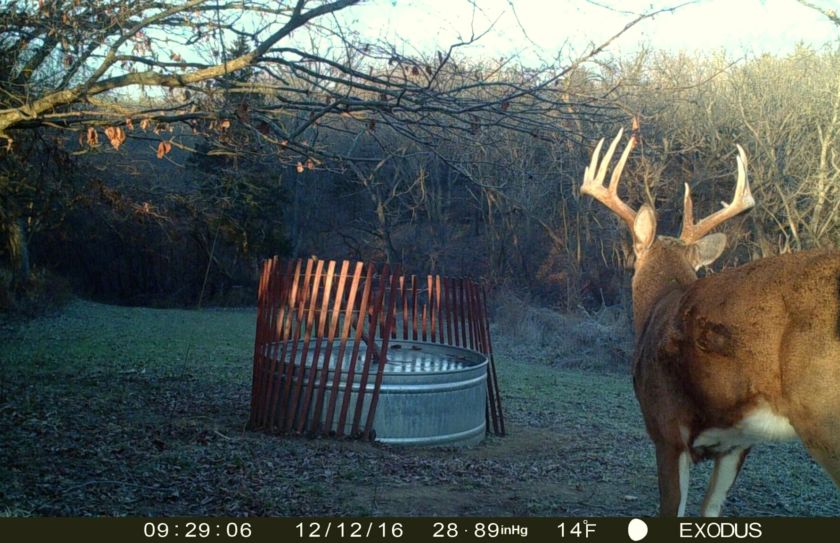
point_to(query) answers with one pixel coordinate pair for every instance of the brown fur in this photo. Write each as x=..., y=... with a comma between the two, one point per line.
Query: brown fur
x=711, y=350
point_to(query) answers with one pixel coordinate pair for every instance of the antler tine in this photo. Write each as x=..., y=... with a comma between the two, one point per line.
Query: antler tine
x=593, y=179
x=741, y=201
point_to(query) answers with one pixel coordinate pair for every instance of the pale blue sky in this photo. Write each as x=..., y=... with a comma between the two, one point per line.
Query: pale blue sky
x=754, y=26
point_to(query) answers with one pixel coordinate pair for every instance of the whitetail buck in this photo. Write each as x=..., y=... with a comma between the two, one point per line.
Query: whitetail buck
x=726, y=361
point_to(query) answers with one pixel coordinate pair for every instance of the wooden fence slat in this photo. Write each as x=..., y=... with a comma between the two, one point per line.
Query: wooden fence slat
x=375, y=308
x=289, y=291
x=260, y=359
x=391, y=314
x=404, y=293
x=439, y=307
x=432, y=308
x=259, y=341
x=461, y=305
x=491, y=374
x=276, y=291
x=304, y=367
x=297, y=305
x=325, y=371
x=456, y=297
x=279, y=288
x=453, y=309
x=303, y=410
x=285, y=293
x=446, y=312
x=468, y=315
x=479, y=323
x=414, y=307
x=345, y=333
x=351, y=369
x=492, y=416
x=472, y=316
x=261, y=345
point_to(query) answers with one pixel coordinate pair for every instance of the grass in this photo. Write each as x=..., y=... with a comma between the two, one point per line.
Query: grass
x=110, y=410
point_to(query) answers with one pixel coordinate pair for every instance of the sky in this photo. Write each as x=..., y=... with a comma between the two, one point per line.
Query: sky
x=539, y=30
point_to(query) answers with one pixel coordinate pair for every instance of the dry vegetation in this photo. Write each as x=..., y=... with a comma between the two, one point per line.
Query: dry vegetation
x=599, y=340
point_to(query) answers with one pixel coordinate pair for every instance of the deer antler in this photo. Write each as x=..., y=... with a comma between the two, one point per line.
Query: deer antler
x=742, y=201
x=593, y=179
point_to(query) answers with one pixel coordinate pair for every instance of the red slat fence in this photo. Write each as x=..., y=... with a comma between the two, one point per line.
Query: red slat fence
x=307, y=308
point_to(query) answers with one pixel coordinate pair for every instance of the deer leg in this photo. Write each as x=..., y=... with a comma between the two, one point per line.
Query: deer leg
x=673, y=466
x=725, y=472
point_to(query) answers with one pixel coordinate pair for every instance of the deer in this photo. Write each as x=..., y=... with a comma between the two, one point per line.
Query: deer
x=726, y=361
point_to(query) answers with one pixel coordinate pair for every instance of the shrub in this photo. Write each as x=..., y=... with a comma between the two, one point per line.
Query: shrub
x=600, y=340
x=43, y=292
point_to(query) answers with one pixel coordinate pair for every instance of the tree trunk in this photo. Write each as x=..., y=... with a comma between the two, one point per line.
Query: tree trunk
x=18, y=241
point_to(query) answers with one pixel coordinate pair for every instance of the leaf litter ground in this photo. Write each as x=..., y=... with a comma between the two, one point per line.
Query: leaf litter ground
x=109, y=410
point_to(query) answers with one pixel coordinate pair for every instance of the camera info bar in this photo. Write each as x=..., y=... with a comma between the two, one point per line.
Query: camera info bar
x=422, y=529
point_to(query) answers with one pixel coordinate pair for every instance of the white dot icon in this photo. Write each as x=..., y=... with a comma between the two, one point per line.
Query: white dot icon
x=637, y=529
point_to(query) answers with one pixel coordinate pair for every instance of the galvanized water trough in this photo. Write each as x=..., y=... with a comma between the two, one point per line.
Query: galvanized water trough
x=328, y=359
x=430, y=395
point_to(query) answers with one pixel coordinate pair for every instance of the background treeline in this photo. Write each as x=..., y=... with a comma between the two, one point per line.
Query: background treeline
x=477, y=196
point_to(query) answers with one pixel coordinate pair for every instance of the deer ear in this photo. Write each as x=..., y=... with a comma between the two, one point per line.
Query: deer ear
x=707, y=250
x=644, y=229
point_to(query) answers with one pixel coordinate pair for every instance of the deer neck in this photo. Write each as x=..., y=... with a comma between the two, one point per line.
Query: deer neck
x=658, y=276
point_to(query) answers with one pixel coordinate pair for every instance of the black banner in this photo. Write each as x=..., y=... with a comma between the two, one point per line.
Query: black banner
x=613, y=530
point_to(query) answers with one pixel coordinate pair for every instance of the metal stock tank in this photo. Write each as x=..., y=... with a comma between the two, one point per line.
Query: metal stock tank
x=431, y=394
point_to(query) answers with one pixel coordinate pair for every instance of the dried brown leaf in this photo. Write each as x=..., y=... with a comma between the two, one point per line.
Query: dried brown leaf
x=163, y=148
x=92, y=137
x=116, y=136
